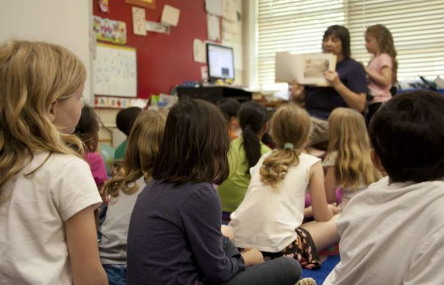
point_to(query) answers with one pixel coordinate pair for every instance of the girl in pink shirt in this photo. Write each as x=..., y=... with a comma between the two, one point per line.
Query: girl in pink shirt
x=88, y=131
x=382, y=68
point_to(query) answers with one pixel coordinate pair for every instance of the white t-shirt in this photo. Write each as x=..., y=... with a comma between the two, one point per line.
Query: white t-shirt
x=267, y=217
x=392, y=234
x=33, y=212
x=347, y=193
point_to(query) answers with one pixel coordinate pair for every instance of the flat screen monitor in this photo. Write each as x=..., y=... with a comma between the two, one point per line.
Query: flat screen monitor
x=220, y=62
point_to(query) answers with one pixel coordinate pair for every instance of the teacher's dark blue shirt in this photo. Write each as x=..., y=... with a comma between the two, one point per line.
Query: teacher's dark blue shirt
x=175, y=237
x=321, y=101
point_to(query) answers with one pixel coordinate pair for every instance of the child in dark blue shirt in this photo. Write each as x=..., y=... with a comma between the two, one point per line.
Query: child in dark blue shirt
x=175, y=230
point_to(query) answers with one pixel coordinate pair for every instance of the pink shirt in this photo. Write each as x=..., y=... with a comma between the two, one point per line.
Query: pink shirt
x=380, y=93
x=97, y=165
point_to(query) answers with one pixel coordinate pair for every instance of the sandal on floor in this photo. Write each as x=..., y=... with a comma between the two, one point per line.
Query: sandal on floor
x=306, y=281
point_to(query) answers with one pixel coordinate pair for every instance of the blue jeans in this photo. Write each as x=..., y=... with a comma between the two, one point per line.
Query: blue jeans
x=116, y=273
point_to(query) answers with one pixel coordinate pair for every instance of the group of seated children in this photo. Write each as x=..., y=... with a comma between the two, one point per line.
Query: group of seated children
x=164, y=219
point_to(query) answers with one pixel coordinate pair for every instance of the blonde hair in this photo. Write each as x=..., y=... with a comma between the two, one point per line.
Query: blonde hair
x=141, y=152
x=386, y=44
x=32, y=76
x=349, y=137
x=290, y=124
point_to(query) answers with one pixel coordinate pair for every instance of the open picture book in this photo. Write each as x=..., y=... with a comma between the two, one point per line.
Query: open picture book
x=305, y=69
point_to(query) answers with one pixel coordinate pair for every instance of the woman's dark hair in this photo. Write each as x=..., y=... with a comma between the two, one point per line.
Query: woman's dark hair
x=229, y=107
x=195, y=145
x=252, y=117
x=407, y=133
x=343, y=35
x=125, y=119
x=87, y=128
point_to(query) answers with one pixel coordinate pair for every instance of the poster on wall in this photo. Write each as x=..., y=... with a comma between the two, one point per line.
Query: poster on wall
x=104, y=6
x=157, y=27
x=109, y=31
x=229, y=10
x=214, y=7
x=139, y=21
x=170, y=15
x=213, y=27
x=199, y=52
x=115, y=71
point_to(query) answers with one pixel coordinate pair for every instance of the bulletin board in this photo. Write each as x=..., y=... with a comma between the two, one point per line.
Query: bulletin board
x=115, y=71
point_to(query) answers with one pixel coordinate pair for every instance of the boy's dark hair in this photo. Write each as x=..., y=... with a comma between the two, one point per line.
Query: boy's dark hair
x=407, y=133
x=195, y=145
x=252, y=117
x=88, y=125
x=229, y=107
x=342, y=33
x=125, y=119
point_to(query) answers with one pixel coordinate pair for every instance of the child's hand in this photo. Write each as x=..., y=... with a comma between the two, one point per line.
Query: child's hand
x=332, y=77
x=252, y=256
x=334, y=209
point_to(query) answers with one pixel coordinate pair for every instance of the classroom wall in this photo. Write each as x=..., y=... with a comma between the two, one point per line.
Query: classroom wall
x=163, y=60
x=63, y=22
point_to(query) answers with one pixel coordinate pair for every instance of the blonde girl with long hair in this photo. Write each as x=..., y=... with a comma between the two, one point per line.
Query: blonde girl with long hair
x=348, y=163
x=131, y=177
x=382, y=68
x=271, y=214
x=47, y=193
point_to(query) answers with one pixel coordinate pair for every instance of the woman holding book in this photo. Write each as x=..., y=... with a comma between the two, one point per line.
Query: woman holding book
x=348, y=86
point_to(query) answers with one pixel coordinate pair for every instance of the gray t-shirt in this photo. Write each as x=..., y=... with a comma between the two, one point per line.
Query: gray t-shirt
x=114, y=229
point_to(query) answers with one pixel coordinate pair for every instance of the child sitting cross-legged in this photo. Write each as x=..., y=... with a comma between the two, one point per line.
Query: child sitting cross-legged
x=271, y=214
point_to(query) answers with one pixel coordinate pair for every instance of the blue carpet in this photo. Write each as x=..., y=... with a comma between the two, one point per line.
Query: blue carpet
x=320, y=274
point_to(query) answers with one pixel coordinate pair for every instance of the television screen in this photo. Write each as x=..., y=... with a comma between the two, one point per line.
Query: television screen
x=220, y=62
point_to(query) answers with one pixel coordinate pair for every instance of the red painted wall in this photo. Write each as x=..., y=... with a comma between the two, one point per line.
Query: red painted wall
x=163, y=60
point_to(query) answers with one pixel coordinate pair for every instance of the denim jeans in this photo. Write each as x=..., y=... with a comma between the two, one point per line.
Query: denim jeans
x=116, y=273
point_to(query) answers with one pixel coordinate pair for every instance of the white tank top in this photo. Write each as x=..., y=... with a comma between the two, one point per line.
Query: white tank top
x=267, y=217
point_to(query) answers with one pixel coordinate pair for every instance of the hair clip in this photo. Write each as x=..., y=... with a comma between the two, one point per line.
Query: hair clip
x=289, y=146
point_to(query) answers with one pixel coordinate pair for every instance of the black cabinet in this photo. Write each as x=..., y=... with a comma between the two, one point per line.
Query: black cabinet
x=214, y=93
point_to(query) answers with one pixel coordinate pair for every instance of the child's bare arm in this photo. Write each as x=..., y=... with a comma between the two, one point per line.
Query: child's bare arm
x=252, y=257
x=321, y=212
x=330, y=184
x=384, y=79
x=83, y=249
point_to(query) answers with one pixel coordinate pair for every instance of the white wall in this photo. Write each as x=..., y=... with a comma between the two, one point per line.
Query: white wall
x=63, y=22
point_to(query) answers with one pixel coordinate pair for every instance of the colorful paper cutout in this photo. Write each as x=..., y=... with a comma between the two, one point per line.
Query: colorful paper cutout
x=109, y=30
x=104, y=6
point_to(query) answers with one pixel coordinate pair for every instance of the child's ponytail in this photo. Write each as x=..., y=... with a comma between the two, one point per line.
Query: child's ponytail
x=252, y=118
x=275, y=167
x=290, y=128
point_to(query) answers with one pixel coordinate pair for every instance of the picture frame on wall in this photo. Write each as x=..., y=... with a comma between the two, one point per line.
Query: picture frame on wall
x=150, y=4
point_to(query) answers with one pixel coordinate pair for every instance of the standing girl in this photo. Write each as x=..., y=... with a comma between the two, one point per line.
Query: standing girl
x=47, y=193
x=270, y=217
x=175, y=229
x=348, y=164
x=244, y=153
x=382, y=68
x=137, y=169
